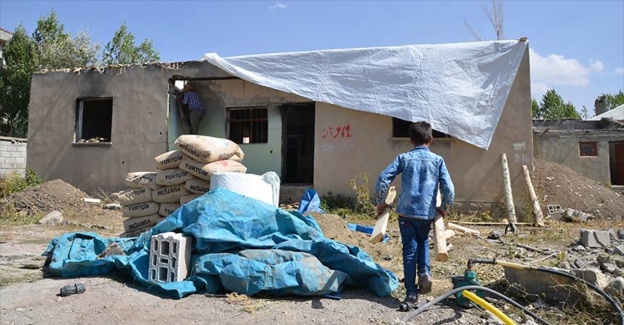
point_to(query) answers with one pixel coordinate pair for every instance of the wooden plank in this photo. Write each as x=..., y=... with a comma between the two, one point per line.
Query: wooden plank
x=465, y=230
x=439, y=234
x=537, y=210
x=439, y=239
x=511, y=210
x=382, y=222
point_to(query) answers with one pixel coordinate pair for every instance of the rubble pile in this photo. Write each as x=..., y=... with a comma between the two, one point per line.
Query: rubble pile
x=181, y=176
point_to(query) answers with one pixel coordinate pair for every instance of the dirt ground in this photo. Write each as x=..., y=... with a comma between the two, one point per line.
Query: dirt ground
x=29, y=296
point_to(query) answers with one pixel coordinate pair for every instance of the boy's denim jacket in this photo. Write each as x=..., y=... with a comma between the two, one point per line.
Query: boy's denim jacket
x=421, y=171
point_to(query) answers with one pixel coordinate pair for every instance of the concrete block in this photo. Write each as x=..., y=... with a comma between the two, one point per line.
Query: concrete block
x=170, y=257
x=595, y=238
x=551, y=287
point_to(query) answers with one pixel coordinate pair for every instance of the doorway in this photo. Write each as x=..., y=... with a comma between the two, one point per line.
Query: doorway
x=616, y=162
x=298, y=143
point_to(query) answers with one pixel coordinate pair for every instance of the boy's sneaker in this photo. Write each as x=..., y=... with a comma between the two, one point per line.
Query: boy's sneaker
x=411, y=299
x=424, y=283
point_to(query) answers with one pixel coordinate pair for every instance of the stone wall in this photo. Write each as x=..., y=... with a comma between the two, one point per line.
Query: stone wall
x=12, y=155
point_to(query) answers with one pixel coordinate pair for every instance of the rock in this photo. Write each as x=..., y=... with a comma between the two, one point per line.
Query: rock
x=595, y=238
x=586, y=262
x=618, y=272
x=574, y=216
x=579, y=248
x=496, y=234
x=52, y=218
x=616, y=286
x=609, y=267
x=619, y=250
x=592, y=275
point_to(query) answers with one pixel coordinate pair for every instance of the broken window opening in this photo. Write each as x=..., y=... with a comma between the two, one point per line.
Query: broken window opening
x=94, y=118
x=247, y=125
x=400, y=129
x=588, y=149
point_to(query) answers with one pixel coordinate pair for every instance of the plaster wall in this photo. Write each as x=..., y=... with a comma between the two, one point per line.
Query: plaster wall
x=138, y=131
x=564, y=149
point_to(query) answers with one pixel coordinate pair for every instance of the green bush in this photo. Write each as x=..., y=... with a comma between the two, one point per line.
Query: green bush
x=14, y=182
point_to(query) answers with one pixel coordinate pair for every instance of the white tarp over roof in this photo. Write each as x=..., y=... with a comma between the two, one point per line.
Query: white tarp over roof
x=461, y=89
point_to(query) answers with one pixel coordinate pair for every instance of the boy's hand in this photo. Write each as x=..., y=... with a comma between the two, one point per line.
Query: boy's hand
x=381, y=207
x=442, y=212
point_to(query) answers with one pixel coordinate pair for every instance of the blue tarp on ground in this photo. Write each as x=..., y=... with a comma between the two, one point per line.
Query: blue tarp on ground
x=239, y=244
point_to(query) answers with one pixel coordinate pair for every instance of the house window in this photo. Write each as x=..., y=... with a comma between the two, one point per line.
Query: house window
x=588, y=149
x=94, y=118
x=247, y=124
x=400, y=129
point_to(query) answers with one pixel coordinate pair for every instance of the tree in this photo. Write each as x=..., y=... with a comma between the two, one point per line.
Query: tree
x=58, y=49
x=552, y=107
x=495, y=15
x=613, y=100
x=122, y=49
x=534, y=108
x=21, y=58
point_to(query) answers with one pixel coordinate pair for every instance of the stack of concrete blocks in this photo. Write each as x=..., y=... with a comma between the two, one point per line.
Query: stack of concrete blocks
x=170, y=257
x=12, y=156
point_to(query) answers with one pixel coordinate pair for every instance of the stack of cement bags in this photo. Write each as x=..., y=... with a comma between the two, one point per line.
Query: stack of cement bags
x=182, y=175
x=204, y=156
x=137, y=203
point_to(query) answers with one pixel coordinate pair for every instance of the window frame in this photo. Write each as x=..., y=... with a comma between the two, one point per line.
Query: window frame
x=263, y=120
x=593, y=149
x=79, y=127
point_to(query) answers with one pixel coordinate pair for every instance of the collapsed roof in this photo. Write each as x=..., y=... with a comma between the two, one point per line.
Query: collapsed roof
x=461, y=89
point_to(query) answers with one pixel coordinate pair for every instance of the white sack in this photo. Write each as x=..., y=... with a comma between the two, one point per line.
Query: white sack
x=263, y=187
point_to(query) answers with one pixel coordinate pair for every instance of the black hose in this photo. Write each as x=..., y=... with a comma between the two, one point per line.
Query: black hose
x=472, y=287
x=612, y=301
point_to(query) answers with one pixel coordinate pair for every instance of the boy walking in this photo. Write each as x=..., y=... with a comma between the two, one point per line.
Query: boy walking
x=422, y=172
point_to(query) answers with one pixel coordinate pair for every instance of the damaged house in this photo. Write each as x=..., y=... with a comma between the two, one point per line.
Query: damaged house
x=593, y=148
x=316, y=118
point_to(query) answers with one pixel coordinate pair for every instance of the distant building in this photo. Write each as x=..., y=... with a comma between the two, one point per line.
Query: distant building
x=5, y=37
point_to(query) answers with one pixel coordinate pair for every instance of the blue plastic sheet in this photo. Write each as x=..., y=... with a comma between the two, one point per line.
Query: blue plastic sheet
x=239, y=244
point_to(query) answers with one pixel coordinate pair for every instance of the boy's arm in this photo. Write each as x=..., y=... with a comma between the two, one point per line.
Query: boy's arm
x=447, y=189
x=383, y=182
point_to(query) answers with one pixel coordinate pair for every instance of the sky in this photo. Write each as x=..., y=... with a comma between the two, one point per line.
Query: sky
x=576, y=47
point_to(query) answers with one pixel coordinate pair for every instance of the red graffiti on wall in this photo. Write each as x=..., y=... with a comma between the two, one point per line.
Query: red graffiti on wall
x=343, y=131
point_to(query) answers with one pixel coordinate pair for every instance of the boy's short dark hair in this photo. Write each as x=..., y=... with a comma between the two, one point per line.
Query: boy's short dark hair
x=420, y=133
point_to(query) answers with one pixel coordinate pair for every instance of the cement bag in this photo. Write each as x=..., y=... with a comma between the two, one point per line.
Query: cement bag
x=173, y=176
x=135, y=233
x=197, y=185
x=168, y=208
x=168, y=160
x=137, y=223
x=134, y=196
x=142, y=180
x=184, y=199
x=263, y=187
x=169, y=194
x=205, y=171
x=139, y=210
x=207, y=149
